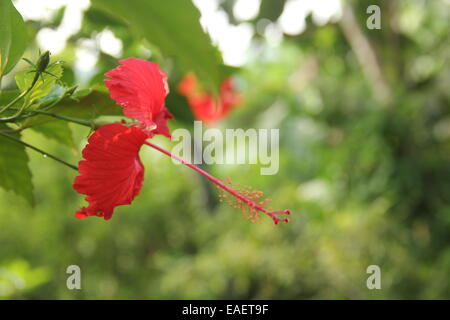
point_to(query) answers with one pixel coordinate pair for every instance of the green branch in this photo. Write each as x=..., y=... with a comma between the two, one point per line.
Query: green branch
x=24, y=93
x=38, y=150
x=58, y=116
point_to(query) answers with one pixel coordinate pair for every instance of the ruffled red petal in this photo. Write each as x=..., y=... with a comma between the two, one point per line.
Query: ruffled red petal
x=140, y=87
x=204, y=105
x=112, y=173
x=160, y=120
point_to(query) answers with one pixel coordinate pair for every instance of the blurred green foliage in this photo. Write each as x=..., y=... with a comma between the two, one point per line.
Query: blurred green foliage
x=366, y=177
x=14, y=40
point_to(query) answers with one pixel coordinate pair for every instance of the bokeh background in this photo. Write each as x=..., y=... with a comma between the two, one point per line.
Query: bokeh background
x=364, y=125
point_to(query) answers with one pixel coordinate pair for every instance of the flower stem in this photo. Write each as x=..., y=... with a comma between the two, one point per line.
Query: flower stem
x=38, y=150
x=58, y=116
x=219, y=183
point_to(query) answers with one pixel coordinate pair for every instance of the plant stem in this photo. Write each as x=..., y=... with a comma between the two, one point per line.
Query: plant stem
x=14, y=116
x=52, y=102
x=17, y=99
x=55, y=115
x=38, y=150
x=219, y=183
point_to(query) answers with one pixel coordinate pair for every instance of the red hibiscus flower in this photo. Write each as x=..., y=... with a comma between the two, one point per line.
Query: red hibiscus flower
x=112, y=174
x=204, y=105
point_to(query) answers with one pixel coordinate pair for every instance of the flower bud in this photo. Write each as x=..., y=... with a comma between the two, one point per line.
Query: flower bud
x=43, y=61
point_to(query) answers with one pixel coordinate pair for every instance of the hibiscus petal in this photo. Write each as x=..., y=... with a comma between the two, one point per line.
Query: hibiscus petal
x=160, y=120
x=140, y=87
x=112, y=173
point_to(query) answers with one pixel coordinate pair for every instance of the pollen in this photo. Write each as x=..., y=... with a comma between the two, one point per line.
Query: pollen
x=250, y=202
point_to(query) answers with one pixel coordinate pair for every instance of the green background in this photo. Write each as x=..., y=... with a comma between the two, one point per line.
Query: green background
x=366, y=175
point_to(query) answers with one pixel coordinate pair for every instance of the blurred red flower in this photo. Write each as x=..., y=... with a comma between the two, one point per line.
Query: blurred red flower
x=204, y=105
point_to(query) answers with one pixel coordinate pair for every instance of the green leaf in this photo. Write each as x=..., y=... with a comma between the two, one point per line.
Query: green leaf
x=87, y=106
x=13, y=36
x=7, y=96
x=271, y=10
x=24, y=79
x=175, y=28
x=58, y=131
x=14, y=172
